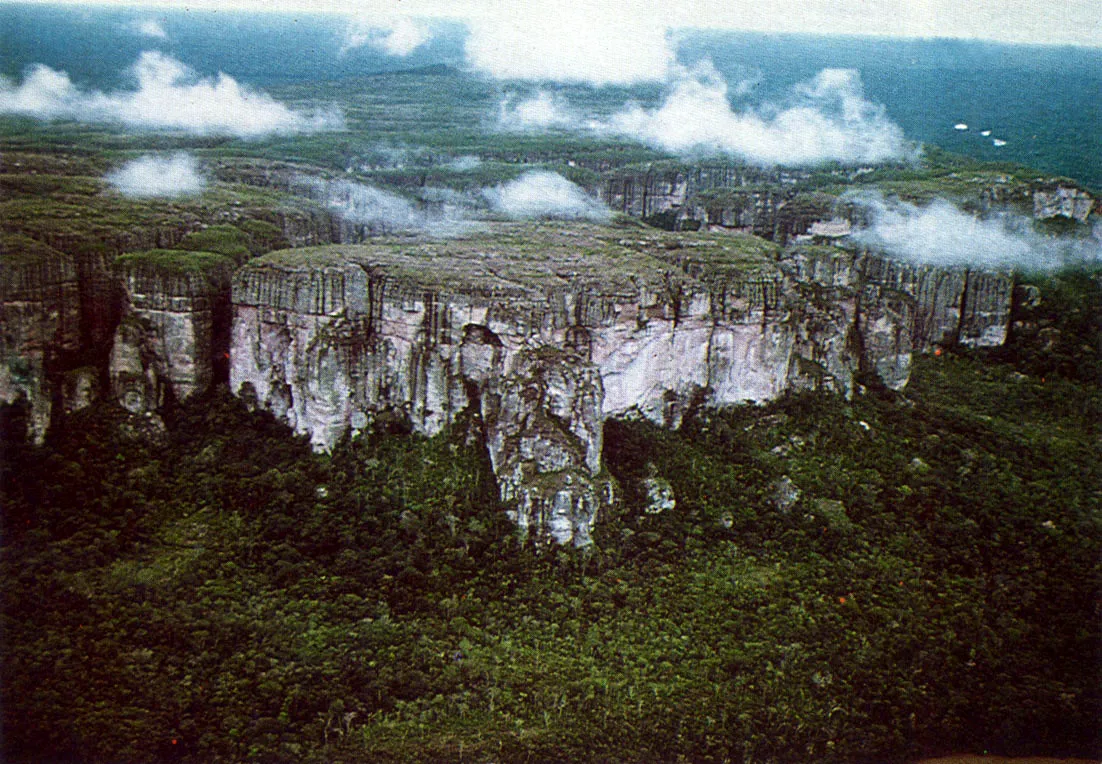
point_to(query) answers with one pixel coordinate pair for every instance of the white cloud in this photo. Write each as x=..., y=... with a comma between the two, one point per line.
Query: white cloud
x=148, y=28
x=397, y=36
x=827, y=119
x=539, y=112
x=944, y=235
x=465, y=163
x=607, y=43
x=1075, y=22
x=176, y=175
x=543, y=194
x=169, y=95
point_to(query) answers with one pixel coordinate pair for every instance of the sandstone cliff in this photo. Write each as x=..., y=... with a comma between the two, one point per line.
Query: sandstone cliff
x=174, y=327
x=64, y=303
x=40, y=322
x=775, y=204
x=544, y=331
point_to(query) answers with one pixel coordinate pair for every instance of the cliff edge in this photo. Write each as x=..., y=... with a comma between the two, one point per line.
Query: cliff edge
x=543, y=331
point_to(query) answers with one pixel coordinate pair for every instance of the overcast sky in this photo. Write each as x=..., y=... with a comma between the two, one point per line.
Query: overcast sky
x=1077, y=22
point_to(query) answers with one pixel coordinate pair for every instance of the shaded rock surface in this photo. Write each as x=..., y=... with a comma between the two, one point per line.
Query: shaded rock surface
x=773, y=204
x=64, y=302
x=39, y=326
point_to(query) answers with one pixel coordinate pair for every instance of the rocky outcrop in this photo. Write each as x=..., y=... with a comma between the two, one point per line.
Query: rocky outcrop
x=728, y=196
x=1068, y=201
x=543, y=423
x=544, y=331
x=173, y=329
x=39, y=325
x=951, y=305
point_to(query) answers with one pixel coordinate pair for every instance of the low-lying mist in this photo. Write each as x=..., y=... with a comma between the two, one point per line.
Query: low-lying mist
x=542, y=111
x=158, y=176
x=942, y=234
x=545, y=195
x=383, y=212
x=443, y=212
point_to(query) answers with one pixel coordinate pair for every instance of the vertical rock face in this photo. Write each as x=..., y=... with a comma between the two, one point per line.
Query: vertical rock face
x=39, y=324
x=985, y=312
x=546, y=331
x=165, y=344
x=543, y=423
x=1067, y=201
x=722, y=196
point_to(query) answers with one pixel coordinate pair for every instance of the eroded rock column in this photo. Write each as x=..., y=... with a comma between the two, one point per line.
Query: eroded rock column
x=544, y=434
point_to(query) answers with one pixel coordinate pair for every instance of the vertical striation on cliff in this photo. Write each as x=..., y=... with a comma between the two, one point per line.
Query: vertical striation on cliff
x=175, y=317
x=40, y=321
x=544, y=331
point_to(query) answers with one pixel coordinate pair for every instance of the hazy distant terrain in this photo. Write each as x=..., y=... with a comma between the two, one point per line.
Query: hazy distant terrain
x=1044, y=102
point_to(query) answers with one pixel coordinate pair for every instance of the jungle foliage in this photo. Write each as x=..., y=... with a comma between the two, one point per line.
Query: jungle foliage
x=226, y=595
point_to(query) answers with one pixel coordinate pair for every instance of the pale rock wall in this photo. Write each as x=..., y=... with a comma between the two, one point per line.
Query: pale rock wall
x=1068, y=201
x=329, y=347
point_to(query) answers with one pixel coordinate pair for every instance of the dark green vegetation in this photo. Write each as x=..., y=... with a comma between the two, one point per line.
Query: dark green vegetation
x=175, y=261
x=226, y=595
x=1062, y=332
x=19, y=251
x=530, y=259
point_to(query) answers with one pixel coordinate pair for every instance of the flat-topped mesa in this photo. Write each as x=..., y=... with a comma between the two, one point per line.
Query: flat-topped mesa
x=545, y=330
x=175, y=323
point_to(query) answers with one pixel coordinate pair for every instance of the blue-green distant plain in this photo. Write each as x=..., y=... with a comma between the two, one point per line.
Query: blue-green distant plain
x=1044, y=101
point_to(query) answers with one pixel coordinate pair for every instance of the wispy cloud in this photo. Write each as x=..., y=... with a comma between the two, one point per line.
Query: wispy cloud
x=827, y=118
x=151, y=175
x=169, y=95
x=383, y=212
x=443, y=212
x=541, y=111
x=942, y=234
x=398, y=36
x=148, y=28
x=543, y=194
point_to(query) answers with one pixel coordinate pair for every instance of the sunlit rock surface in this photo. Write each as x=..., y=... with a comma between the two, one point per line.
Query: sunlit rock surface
x=546, y=330
x=1068, y=201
